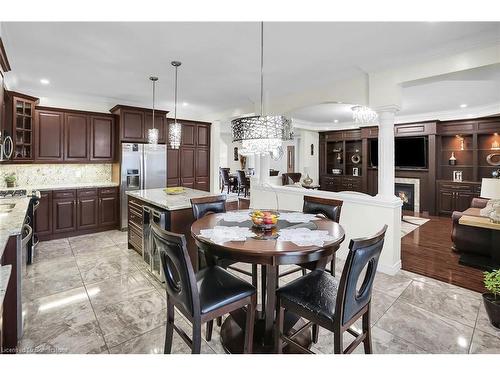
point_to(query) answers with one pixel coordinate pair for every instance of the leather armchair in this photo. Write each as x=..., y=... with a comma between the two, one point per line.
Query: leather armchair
x=472, y=240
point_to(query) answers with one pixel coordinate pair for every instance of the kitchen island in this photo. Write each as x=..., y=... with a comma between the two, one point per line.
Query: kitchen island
x=174, y=213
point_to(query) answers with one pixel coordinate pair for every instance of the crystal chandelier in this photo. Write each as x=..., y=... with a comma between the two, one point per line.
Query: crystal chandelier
x=153, y=133
x=175, y=129
x=363, y=115
x=261, y=134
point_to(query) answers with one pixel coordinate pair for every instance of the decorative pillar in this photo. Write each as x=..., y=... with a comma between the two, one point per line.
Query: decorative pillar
x=264, y=169
x=386, y=161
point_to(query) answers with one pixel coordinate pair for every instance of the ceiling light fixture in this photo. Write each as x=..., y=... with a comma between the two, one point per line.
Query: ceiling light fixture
x=153, y=133
x=463, y=105
x=175, y=129
x=262, y=134
x=184, y=104
x=44, y=81
x=335, y=121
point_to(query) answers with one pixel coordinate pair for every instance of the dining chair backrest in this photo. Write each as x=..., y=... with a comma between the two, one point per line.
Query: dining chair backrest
x=330, y=208
x=180, y=279
x=208, y=205
x=242, y=178
x=363, y=252
x=224, y=172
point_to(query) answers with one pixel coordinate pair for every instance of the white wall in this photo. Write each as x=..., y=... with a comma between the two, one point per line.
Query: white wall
x=304, y=158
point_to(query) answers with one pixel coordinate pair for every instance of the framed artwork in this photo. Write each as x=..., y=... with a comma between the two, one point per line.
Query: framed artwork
x=355, y=171
x=457, y=176
x=235, y=154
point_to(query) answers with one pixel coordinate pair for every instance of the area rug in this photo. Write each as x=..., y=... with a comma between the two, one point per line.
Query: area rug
x=410, y=223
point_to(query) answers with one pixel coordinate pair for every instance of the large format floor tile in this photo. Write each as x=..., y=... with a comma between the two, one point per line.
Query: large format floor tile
x=97, y=269
x=425, y=329
x=130, y=318
x=50, y=250
x=450, y=302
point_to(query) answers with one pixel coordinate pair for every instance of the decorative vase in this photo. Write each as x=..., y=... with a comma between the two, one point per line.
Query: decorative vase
x=452, y=160
x=307, y=180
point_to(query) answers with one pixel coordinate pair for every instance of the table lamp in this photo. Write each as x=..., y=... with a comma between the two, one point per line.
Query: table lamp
x=490, y=189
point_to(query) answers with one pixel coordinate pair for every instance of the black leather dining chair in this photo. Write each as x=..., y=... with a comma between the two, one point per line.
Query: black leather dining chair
x=320, y=298
x=225, y=179
x=243, y=182
x=202, y=296
x=213, y=205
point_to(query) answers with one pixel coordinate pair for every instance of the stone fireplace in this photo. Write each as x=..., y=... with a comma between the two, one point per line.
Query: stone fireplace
x=408, y=189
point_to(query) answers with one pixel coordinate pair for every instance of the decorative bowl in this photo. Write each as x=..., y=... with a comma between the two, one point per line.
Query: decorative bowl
x=174, y=190
x=264, y=219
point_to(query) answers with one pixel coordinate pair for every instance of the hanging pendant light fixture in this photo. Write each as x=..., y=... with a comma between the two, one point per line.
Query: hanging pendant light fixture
x=175, y=129
x=261, y=134
x=153, y=133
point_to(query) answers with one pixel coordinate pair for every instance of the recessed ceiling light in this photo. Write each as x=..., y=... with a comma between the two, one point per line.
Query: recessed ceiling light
x=44, y=81
x=335, y=121
x=184, y=104
x=463, y=105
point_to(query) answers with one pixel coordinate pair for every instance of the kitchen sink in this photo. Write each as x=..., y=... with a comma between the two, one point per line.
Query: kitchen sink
x=7, y=207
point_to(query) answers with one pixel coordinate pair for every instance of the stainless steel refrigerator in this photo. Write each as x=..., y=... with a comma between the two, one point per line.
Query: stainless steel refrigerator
x=144, y=166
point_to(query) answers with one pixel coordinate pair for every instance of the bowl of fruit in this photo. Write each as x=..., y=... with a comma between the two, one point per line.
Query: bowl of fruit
x=264, y=220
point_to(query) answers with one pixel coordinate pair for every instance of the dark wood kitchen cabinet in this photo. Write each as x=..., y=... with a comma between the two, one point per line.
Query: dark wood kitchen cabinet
x=87, y=209
x=189, y=166
x=76, y=137
x=49, y=136
x=134, y=123
x=108, y=207
x=173, y=168
x=43, y=218
x=102, y=138
x=73, y=212
x=64, y=211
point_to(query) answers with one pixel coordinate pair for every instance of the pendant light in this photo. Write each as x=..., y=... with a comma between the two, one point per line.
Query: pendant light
x=153, y=133
x=175, y=129
x=261, y=134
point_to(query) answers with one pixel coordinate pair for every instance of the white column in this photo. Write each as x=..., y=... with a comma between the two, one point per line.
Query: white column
x=215, y=161
x=264, y=169
x=386, y=163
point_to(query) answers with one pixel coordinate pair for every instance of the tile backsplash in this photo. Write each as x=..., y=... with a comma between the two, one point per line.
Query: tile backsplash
x=52, y=174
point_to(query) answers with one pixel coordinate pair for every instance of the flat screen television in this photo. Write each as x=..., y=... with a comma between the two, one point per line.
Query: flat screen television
x=410, y=152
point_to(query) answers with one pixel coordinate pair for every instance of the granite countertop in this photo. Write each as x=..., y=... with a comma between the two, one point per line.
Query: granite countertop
x=171, y=202
x=5, y=272
x=79, y=185
x=11, y=223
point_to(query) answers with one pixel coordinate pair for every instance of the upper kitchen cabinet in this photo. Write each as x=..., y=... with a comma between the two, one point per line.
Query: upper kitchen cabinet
x=134, y=123
x=76, y=137
x=102, y=138
x=194, y=133
x=49, y=135
x=20, y=120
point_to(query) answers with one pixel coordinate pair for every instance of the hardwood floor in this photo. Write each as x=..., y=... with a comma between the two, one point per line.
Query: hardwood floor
x=427, y=251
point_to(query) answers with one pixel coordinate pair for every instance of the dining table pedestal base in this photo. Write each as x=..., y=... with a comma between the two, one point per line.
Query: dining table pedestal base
x=232, y=336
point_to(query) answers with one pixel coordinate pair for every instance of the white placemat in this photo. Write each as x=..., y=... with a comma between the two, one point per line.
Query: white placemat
x=236, y=216
x=221, y=234
x=305, y=236
x=292, y=217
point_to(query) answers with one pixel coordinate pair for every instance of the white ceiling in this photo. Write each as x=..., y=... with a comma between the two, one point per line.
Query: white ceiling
x=477, y=88
x=96, y=65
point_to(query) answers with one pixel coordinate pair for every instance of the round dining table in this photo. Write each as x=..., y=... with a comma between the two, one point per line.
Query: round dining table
x=265, y=249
